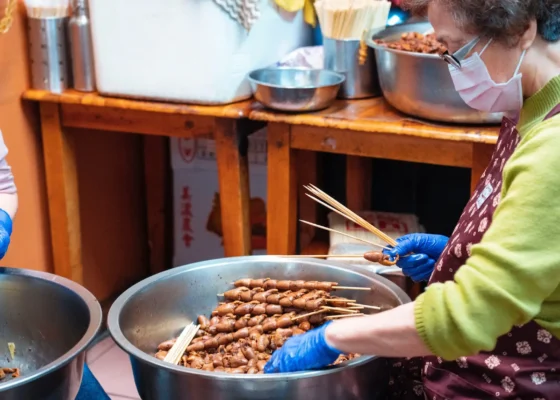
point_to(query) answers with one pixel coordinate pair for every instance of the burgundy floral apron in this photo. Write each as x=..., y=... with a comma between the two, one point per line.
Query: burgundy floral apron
x=526, y=362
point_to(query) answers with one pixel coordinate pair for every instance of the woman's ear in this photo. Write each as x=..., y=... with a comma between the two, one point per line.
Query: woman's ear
x=529, y=36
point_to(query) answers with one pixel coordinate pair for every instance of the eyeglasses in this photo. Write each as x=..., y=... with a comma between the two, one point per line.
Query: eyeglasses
x=456, y=58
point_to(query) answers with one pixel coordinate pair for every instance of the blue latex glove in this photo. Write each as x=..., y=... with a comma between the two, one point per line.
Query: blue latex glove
x=5, y=232
x=426, y=248
x=303, y=352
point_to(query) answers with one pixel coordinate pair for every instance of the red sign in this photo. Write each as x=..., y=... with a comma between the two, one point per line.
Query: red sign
x=186, y=216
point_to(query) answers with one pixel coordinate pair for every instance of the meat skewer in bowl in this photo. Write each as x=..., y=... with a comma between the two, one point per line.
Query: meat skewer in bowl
x=268, y=283
x=240, y=336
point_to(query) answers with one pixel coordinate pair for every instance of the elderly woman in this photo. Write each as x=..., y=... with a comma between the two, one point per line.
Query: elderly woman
x=488, y=325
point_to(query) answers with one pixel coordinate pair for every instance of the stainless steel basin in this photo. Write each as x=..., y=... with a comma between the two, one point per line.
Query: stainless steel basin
x=51, y=321
x=295, y=89
x=159, y=307
x=420, y=84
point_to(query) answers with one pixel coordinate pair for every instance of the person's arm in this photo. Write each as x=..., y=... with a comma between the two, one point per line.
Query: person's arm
x=9, y=203
x=391, y=333
x=8, y=191
x=8, y=199
x=505, y=282
x=515, y=267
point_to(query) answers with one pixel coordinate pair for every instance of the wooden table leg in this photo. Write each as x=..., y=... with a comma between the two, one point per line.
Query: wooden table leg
x=358, y=183
x=282, y=191
x=481, y=155
x=307, y=174
x=157, y=175
x=63, y=197
x=234, y=188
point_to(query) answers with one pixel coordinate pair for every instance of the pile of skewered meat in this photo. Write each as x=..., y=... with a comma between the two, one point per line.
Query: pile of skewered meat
x=256, y=318
x=416, y=43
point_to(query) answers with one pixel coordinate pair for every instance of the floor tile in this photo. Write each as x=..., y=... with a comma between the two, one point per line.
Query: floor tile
x=113, y=371
x=99, y=349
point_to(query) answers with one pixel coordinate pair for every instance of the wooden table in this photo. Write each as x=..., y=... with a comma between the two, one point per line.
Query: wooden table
x=363, y=128
x=155, y=120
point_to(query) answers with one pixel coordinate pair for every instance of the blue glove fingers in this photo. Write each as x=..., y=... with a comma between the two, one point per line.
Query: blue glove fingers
x=432, y=245
x=422, y=272
x=412, y=261
x=5, y=232
x=421, y=243
x=303, y=352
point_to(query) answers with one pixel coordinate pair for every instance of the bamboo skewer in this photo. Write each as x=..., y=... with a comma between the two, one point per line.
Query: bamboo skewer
x=308, y=315
x=349, y=214
x=340, y=301
x=323, y=256
x=174, y=355
x=368, y=307
x=365, y=289
x=348, y=19
x=331, y=317
x=340, y=233
x=340, y=309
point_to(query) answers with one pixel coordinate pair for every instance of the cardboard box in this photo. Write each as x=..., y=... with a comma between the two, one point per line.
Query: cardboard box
x=196, y=202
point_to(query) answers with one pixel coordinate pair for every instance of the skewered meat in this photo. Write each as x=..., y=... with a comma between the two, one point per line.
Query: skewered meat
x=285, y=285
x=379, y=257
x=262, y=296
x=167, y=345
x=256, y=319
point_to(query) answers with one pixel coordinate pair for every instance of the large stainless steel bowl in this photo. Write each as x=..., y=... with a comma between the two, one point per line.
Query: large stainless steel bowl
x=420, y=84
x=51, y=321
x=295, y=89
x=159, y=307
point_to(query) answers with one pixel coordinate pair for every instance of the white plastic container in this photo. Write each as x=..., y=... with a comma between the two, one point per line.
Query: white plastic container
x=186, y=50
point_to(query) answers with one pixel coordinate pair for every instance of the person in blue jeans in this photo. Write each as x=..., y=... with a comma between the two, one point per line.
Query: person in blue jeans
x=90, y=388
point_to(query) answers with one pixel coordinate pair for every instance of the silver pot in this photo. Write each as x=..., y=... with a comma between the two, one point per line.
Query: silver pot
x=51, y=320
x=420, y=84
x=159, y=307
x=295, y=89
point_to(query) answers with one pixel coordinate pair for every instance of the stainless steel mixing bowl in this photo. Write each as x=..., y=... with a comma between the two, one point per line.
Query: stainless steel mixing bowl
x=420, y=84
x=295, y=89
x=159, y=307
x=51, y=321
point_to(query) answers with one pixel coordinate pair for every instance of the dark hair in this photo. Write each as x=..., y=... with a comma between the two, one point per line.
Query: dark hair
x=503, y=20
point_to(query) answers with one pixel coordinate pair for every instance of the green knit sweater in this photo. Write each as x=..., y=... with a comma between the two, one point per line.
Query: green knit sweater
x=513, y=274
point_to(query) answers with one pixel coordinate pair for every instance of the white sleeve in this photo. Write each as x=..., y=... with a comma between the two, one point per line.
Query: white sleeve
x=7, y=184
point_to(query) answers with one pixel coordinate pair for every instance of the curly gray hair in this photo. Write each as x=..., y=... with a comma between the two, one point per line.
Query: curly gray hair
x=503, y=20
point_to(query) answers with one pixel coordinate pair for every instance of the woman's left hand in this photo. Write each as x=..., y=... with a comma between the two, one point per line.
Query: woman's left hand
x=303, y=352
x=5, y=232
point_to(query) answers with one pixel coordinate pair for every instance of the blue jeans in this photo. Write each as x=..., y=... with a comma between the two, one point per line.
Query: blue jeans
x=90, y=388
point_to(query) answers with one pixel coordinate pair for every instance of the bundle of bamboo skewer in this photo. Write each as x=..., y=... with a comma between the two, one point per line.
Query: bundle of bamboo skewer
x=349, y=19
x=44, y=9
x=327, y=201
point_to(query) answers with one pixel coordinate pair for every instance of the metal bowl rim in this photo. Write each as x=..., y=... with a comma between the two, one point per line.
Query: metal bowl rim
x=340, y=77
x=116, y=332
x=95, y=313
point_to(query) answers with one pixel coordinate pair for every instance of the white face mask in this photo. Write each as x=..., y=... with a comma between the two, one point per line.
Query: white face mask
x=477, y=88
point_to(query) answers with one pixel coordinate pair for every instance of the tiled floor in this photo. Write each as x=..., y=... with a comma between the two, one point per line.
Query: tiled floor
x=111, y=367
